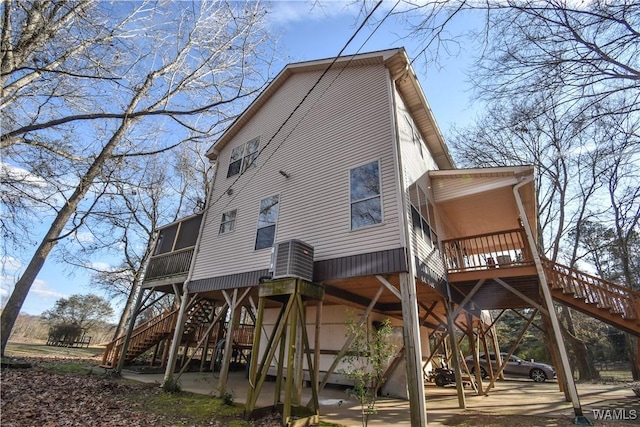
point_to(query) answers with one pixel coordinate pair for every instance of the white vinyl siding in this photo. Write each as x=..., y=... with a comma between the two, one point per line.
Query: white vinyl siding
x=314, y=198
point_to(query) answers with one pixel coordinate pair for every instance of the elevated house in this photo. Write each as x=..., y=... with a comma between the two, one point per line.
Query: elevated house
x=340, y=164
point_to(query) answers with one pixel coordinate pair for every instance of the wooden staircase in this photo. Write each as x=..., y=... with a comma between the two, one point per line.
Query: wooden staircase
x=151, y=332
x=606, y=301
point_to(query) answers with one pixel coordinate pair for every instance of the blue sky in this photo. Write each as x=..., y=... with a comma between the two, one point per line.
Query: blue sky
x=306, y=33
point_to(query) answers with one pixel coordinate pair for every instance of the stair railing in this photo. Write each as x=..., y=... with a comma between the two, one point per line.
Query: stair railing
x=163, y=323
x=593, y=290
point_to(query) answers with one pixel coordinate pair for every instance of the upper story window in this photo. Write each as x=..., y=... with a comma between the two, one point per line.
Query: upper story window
x=243, y=157
x=228, y=223
x=415, y=136
x=366, y=200
x=422, y=214
x=267, y=222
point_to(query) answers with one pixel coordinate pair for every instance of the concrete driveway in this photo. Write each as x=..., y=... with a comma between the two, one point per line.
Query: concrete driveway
x=600, y=403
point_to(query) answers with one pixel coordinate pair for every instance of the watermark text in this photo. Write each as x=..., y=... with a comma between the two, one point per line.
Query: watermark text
x=616, y=414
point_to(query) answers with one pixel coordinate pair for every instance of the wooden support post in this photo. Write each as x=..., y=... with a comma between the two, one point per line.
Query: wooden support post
x=474, y=346
x=205, y=338
x=316, y=341
x=165, y=352
x=177, y=337
x=290, y=337
x=555, y=357
x=462, y=404
x=277, y=395
x=155, y=354
x=548, y=302
x=257, y=337
x=485, y=349
x=413, y=350
x=289, y=390
x=228, y=344
x=513, y=348
x=300, y=350
x=313, y=369
x=266, y=359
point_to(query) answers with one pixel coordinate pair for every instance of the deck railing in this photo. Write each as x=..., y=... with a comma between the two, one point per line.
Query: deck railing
x=169, y=264
x=243, y=335
x=484, y=251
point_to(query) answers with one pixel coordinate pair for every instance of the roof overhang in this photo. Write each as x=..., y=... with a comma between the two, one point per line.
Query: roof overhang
x=483, y=201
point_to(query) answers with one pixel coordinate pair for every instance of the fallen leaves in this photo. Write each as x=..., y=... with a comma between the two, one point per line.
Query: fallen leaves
x=36, y=397
x=56, y=393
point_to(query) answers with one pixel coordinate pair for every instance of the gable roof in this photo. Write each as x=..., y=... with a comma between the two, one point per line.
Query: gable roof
x=400, y=69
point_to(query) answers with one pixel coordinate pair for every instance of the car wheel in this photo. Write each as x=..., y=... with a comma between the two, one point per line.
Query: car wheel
x=538, y=375
x=483, y=373
x=441, y=381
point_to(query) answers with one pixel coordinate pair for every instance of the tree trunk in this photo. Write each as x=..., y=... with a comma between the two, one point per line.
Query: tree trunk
x=632, y=352
x=581, y=353
x=22, y=287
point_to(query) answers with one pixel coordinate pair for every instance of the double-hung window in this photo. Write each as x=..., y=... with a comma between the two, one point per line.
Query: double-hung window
x=366, y=200
x=243, y=157
x=228, y=223
x=422, y=214
x=267, y=219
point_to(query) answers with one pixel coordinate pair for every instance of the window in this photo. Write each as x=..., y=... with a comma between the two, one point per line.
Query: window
x=228, y=223
x=242, y=157
x=415, y=136
x=422, y=214
x=366, y=203
x=267, y=222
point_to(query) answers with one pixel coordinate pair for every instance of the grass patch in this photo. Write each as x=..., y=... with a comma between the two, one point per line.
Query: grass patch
x=610, y=376
x=189, y=408
x=41, y=350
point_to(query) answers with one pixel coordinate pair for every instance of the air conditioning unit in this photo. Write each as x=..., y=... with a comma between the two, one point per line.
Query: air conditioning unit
x=292, y=258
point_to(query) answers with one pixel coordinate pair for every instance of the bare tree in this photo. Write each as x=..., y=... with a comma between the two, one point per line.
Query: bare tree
x=553, y=73
x=87, y=85
x=149, y=192
x=533, y=131
x=587, y=55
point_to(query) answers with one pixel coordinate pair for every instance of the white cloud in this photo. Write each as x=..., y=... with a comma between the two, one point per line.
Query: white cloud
x=14, y=173
x=84, y=237
x=42, y=290
x=101, y=266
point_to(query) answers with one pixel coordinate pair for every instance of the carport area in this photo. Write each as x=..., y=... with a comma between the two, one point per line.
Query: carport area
x=509, y=397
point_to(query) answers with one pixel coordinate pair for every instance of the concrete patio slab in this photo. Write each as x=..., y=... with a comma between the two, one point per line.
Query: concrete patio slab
x=510, y=397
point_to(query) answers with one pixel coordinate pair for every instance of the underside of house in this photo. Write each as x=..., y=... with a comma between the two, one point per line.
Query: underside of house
x=490, y=266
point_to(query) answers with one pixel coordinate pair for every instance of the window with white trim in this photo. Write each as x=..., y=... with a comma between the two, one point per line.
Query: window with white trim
x=267, y=219
x=422, y=215
x=228, y=222
x=365, y=195
x=243, y=157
